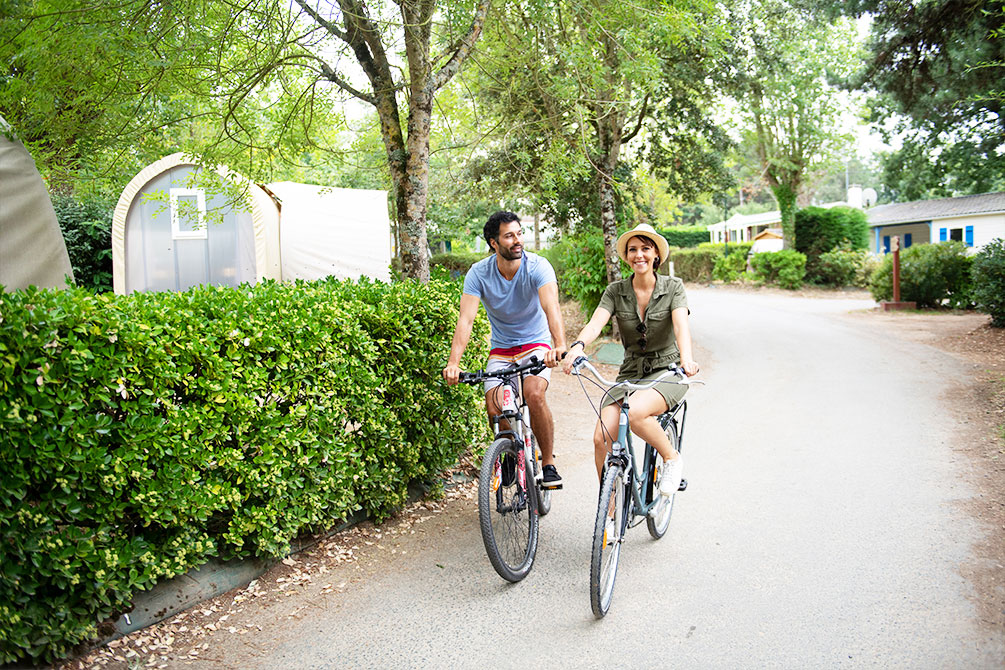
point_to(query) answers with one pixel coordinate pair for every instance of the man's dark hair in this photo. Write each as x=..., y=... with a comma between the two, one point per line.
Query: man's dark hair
x=491, y=230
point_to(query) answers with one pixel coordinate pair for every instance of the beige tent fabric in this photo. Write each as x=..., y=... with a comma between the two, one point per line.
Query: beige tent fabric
x=32, y=250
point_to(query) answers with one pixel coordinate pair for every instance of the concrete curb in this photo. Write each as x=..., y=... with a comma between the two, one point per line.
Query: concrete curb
x=214, y=578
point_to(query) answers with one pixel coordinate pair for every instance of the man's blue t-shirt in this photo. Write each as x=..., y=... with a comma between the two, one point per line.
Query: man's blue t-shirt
x=513, y=307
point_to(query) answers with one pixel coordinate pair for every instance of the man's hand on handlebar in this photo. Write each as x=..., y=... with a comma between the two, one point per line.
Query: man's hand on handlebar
x=690, y=367
x=553, y=356
x=451, y=374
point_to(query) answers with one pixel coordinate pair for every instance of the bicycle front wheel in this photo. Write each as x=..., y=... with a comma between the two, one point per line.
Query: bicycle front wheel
x=543, y=495
x=608, y=533
x=507, y=510
x=659, y=515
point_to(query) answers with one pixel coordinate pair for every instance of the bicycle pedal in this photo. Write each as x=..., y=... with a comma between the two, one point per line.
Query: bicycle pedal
x=551, y=487
x=683, y=485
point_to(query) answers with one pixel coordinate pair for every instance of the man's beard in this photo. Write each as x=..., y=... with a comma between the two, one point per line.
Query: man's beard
x=509, y=254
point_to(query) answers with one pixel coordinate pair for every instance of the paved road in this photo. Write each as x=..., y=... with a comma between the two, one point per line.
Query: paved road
x=822, y=528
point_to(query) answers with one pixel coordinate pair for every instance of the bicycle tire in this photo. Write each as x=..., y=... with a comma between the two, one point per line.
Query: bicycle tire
x=608, y=532
x=658, y=520
x=507, y=513
x=543, y=495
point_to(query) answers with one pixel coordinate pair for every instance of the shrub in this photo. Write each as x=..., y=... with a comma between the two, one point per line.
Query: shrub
x=584, y=273
x=729, y=268
x=87, y=230
x=844, y=266
x=786, y=268
x=931, y=275
x=724, y=249
x=694, y=265
x=988, y=275
x=456, y=264
x=685, y=236
x=820, y=230
x=142, y=434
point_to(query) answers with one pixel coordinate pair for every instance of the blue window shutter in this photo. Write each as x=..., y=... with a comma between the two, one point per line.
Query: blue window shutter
x=886, y=244
x=907, y=240
x=943, y=234
x=968, y=236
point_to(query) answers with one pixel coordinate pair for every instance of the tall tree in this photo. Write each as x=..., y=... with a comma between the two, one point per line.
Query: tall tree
x=271, y=71
x=783, y=59
x=586, y=77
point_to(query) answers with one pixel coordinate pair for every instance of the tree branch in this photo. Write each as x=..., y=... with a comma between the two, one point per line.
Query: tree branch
x=452, y=66
x=638, y=125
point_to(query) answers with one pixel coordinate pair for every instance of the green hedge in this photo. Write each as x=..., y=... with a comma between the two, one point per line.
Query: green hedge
x=820, y=230
x=457, y=264
x=931, y=275
x=141, y=435
x=988, y=275
x=694, y=265
x=685, y=236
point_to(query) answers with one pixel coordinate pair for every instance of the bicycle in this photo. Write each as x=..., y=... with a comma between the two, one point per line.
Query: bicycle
x=511, y=493
x=626, y=495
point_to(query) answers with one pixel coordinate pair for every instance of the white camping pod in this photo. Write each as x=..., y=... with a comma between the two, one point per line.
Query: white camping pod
x=32, y=250
x=286, y=231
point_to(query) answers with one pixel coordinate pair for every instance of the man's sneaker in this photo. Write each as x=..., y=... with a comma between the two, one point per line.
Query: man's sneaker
x=551, y=479
x=672, y=473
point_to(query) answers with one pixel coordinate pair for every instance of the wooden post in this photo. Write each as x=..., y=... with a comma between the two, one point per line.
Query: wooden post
x=896, y=302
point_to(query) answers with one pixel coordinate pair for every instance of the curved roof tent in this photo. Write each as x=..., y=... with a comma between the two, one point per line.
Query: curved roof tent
x=290, y=231
x=32, y=250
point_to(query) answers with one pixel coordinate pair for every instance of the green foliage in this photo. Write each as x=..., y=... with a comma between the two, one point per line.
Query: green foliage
x=787, y=268
x=844, y=266
x=723, y=249
x=729, y=268
x=988, y=274
x=931, y=275
x=936, y=66
x=583, y=273
x=142, y=434
x=819, y=230
x=782, y=79
x=456, y=264
x=694, y=265
x=87, y=230
x=685, y=236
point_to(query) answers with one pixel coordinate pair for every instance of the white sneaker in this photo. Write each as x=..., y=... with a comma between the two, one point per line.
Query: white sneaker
x=672, y=473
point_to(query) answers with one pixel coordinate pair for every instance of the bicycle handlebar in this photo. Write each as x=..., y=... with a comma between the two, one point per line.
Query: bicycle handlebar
x=676, y=371
x=533, y=366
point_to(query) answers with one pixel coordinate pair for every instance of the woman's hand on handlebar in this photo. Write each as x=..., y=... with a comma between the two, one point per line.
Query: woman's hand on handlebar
x=575, y=352
x=451, y=374
x=690, y=367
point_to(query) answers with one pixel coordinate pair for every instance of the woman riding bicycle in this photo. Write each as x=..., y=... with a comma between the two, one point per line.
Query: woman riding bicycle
x=652, y=317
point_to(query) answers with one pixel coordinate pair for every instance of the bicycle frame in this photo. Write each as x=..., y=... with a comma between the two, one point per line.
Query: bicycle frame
x=623, y=454
x=515, y=412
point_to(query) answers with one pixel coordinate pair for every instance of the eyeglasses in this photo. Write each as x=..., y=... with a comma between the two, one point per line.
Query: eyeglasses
x=641, y=328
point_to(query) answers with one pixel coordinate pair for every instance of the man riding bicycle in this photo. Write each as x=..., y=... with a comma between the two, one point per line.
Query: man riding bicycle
x=520, y=294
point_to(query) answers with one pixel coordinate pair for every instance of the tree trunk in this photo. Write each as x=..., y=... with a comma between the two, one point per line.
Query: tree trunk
x=412, y=218
x=609, y=225
x=785, y=196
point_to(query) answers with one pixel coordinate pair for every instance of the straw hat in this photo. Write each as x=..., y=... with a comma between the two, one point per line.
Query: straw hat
x=644, y=230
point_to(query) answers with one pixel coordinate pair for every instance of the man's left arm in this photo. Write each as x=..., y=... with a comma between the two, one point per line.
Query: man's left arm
x=548, y=295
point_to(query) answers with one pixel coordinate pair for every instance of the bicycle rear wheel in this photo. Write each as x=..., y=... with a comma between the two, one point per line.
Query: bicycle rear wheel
x=507, y=510
x=608, y=532
x=659, y=516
